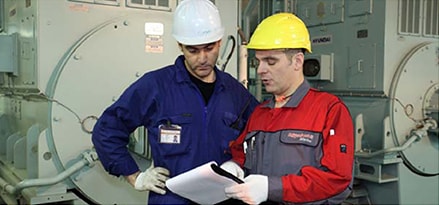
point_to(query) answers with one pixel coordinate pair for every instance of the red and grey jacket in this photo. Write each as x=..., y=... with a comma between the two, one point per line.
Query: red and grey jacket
x=306, y=148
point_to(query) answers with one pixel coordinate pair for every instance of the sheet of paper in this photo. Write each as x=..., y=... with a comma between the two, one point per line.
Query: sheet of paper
x=201, y=185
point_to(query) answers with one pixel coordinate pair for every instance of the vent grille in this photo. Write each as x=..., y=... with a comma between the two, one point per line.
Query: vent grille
x=418, y=17
x=431, y=16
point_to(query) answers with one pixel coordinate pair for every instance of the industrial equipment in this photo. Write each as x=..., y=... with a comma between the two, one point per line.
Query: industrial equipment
x=62, y=62
x=382, y=59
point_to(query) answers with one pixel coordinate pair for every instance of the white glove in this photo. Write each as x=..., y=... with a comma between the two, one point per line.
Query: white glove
x=233, y=168
x=153, y=179
x=253, y=191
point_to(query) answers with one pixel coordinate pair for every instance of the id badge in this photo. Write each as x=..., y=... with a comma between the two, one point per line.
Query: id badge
x=170, y=134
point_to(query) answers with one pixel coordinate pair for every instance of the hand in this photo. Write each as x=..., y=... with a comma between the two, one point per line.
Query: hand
x=253, y=191
x=233, y=168
x=153, y=179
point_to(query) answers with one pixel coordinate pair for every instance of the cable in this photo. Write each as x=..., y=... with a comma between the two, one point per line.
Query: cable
x=223, y=67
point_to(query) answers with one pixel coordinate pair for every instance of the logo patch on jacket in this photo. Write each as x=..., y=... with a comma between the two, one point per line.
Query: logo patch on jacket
x=300, y=137
x=306, y=137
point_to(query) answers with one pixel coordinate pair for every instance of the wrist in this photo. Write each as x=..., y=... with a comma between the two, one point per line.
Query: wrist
x=132, y=178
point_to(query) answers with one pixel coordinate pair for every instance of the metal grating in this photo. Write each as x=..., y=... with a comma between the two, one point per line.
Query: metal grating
x=431, y=18
x=409, y=18
x=150, y=4
x=419, y=18
x=2, y=22
x=103, y=2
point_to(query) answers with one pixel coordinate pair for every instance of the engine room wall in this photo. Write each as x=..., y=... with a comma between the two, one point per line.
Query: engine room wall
x=381, y=59
x=62, y=63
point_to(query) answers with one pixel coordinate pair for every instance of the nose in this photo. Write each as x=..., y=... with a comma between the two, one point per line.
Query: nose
x=203, y=56
x=261, y=68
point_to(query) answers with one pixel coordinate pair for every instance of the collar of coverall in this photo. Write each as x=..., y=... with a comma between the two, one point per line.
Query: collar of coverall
x=182, y=75
x=295, y=98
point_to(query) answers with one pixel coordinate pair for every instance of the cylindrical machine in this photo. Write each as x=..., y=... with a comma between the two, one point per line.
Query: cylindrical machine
x=62, y=62
x=383, y=64
x=381, y=59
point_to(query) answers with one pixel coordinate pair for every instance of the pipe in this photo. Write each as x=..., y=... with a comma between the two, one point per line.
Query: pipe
x=88, y=160
x=243, y=58
x=415, y=136
x=6, y=186
x=242, y=73
x=410, y=141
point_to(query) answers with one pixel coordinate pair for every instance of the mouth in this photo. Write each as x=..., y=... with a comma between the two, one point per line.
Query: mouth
x=204, y=67
x=265, y=81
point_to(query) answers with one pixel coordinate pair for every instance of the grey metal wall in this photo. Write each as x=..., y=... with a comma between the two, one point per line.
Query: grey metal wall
x=381, y=58
x=62, y=63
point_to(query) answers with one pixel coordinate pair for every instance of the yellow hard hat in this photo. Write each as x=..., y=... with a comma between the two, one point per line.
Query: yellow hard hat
x=281, y=30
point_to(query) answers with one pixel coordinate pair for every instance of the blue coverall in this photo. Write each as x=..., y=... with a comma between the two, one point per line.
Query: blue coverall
x=168, y=96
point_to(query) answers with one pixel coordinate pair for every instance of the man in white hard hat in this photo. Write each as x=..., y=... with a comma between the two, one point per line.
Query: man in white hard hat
x=198, y=105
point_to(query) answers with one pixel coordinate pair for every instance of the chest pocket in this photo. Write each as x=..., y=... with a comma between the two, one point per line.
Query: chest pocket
x=185, y=141
x=297, y=149
x=229, y=130
x=282, y=152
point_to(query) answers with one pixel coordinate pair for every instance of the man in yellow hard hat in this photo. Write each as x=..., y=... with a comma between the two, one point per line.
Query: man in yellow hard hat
x=299, y=145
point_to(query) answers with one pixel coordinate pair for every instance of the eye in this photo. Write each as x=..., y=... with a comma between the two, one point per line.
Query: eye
x=271, y=62
x=192, y=50
x=210, y=47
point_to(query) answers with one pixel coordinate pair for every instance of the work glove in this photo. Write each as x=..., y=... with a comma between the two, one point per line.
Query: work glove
x=153, y=179
x=233, y=168
x=254, y=190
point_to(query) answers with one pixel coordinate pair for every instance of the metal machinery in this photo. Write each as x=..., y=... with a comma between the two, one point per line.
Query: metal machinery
x=382, y=59
x=61, y=63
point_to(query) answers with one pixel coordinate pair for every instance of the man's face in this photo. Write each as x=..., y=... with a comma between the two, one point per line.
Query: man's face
x=201, y=59
x=278, y=71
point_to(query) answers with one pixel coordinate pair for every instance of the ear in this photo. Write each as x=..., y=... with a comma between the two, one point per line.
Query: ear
x=298, y=60
x=180, y=46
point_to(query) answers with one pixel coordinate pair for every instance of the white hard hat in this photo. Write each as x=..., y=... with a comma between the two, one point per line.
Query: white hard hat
x=197, y=22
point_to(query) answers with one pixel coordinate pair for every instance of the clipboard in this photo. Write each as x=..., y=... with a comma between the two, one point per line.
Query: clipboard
x=204, y=184
x=225, y=173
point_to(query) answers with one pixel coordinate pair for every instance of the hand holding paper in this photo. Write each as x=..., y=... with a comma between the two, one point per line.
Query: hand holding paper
x=233, y=168
x=204, y=184
x=253, y=191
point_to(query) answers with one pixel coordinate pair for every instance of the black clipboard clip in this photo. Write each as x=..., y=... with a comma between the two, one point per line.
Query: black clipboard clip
x=225, y=173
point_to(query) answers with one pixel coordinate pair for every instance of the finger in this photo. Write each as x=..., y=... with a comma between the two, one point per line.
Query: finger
x=240, y=174
x=159, y=184
x=248, y=201
x=158, y=190
x=232, y=189
x=162, y=171
x=229, y=192
x=236, y=195
x=232, y=195
x=161, y=177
